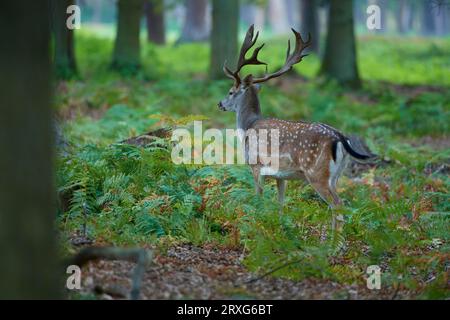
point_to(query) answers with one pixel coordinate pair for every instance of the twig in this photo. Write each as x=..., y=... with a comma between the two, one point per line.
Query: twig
x=273, y=271
x=141, y=257
x=138, y=274
x=394, y=295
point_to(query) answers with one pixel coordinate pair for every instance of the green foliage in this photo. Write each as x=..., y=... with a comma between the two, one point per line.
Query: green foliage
x=396, y=214
x=404, y=60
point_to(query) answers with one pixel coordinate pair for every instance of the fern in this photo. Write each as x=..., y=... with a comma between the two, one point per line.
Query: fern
x=148, y=224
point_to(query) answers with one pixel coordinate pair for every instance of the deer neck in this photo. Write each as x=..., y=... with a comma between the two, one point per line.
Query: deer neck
x=249, y=111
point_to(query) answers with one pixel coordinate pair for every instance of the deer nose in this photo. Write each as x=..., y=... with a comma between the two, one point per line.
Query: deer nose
x=220, y=105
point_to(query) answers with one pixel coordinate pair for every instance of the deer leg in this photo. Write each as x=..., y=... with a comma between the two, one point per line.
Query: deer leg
x=260, y=185
x=281, y=186
x=332, y=199
x=337, y=220
x=324, y=192
x=259, y=181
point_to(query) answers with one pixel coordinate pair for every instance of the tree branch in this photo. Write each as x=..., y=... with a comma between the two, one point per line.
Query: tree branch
x=141, y=257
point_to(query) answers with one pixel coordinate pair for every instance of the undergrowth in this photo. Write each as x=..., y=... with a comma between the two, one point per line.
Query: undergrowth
x=397, y=213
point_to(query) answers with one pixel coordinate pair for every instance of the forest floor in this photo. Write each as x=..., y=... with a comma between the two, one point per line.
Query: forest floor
x=209, y=272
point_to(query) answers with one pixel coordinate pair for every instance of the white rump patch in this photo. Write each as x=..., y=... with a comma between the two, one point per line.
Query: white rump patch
x=336, y=167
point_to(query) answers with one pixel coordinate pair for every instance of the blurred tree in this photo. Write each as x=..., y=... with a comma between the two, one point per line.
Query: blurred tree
x=309, y=22
x=427, y=26
x=435, y=17
x=126, y=57
x=28, y=268
x=156, y=29
x=195, y=26
x=415, y=6
x=404, y=16
x=292, y=16
x=276, y=13
x=64, y=55
x=253, y=12
x=96, y=10
x=339, y=61
x=224, y=34
x=359, y=12
x=441, y=17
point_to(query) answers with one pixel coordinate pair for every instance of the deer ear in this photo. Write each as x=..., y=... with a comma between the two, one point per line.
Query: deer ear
x=248, y=81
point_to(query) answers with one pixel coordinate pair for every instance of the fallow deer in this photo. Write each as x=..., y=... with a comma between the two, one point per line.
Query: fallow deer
x=314, y=152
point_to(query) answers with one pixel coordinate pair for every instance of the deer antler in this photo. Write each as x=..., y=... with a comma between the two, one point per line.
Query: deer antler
x=248, y=43
x=291, y=59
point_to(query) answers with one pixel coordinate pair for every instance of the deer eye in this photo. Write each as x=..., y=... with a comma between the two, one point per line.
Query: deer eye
x=230, y=93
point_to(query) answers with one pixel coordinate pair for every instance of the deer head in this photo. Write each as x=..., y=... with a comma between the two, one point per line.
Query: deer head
x=244, y=91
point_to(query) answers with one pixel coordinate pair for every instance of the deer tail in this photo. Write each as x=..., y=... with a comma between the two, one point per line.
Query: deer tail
x=352, y=150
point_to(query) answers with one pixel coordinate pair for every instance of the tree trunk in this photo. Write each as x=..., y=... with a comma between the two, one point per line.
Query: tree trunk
x=404, y=16
x=154, y=13
x=126, y=58
x=252, y=14
x=277, y=16
x=310, y=23
x=339, y=61
x=195, y=27
x=428, y=27
x=96, y=6
x=28, y=268
x=64, y=56
x=292, y=11
x=440, y=17
x=225, y=15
